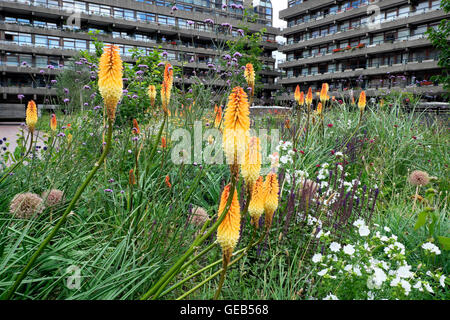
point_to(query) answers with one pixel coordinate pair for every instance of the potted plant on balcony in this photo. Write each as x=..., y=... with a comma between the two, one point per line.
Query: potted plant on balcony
x=337, y=50
x=361, y=45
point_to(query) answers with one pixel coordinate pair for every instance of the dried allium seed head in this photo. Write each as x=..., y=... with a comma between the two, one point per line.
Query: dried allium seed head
x=199, y=217
x=26, y=205
x=53, y=197
x=419, y=178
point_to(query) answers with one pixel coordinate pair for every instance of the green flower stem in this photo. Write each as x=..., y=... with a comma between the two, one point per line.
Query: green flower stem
x=80, y=191
x=225, y=264
x=183, y=267
x=195, y=244
x=9, y=171
x=244, y=251
x=179, y=284
x=356, y=130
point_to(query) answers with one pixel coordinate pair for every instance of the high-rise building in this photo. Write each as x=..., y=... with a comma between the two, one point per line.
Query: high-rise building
x=376, y=45
x=37, y=37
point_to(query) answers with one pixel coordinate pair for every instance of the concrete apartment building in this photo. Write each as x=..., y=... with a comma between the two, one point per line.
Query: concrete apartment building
x=376, y=45
x=37, y=37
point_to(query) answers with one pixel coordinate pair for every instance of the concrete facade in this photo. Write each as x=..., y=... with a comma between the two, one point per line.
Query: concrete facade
x=363, y=44
x=181, y=30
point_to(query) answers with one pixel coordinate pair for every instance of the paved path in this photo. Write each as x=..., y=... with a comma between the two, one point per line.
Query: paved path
x=10, y=132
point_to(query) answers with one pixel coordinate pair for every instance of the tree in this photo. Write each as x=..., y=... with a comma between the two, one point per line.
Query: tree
x=439, y=38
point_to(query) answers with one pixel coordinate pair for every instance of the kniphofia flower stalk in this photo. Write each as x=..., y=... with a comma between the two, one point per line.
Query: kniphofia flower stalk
x=251, y=167
x=237, y=125
x=256, y=208
x=53, y=123
x=166, y=88
x=271, y=190
x=31, y=116
x=152, y=94
x=110, y=79
x=249, y=74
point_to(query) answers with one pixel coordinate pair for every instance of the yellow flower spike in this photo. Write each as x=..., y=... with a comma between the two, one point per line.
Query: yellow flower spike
x=69, y=138
x=237, y=125
x=53, y=123
x=166, y=88
x=362, y=101
x=256, y=207
x=319, y=108
x=229, y=229
x=32, y=116
x=152, y=94
x=309, y=97
x=251, y=167
x=110, y=79
x=381, y=103
x=249, y=74
x=271, y=189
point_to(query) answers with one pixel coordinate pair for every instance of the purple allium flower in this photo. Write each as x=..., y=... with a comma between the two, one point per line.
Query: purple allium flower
x=135, y=96
x=125, y=91
x=237, y=55
x=241, y=32
x=66, y=100
x=143, y=66
x=190, y=22
x=97, y=107
x=210, y=21
x=66, y=91
x=165, y=54
x=86, y=104
x=54, y=81
x=42, y=72
x=224, y=6
x=140, y=72
x=50, y=67
x=20, y=96
x=24, y=64
x=61, y=134
x=174, y=8
x=109, y=191
x=93, y=95
x=227, y=57
x=161, y=64
x=86, y=87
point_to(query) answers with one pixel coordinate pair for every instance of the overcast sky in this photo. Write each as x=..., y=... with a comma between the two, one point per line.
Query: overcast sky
x=278, y=5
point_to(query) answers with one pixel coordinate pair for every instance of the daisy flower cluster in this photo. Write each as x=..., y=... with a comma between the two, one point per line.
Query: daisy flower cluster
x=373, y=265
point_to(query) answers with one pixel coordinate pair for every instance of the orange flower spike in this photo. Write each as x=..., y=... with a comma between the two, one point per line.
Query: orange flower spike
x=237, y=125
x=362, y=101
x=302, y=99
x=309, y=97
x=229, y=229
x=271, y=190
x=324, y=93
x=167, y=181
x=110, y=79
x=256, y=207
x=163, y=142
x=251, y=167
x=31, y=116
x=166, y=88
x=218, y=119
x=132, y=178
x=53, y=123
x=249, y=74
x=297, y=94
x=136, y=130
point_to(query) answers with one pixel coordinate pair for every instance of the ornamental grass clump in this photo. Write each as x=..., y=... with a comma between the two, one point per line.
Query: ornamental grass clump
x=111, y=87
